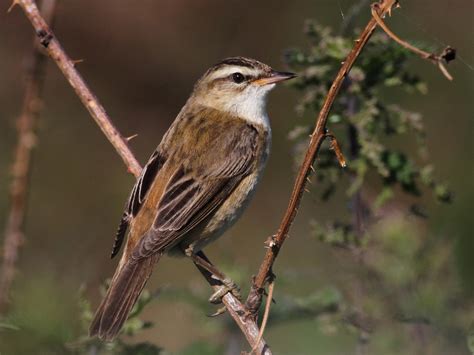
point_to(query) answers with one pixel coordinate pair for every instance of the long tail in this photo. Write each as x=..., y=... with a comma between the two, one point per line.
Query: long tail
x=127, y=284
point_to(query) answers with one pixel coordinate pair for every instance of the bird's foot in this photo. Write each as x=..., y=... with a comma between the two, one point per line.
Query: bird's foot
x=227, y=286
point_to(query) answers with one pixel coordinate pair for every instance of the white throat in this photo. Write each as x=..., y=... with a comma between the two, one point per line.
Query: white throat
x=250, y=104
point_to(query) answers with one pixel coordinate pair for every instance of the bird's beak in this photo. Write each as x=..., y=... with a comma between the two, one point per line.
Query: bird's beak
x=274, y=77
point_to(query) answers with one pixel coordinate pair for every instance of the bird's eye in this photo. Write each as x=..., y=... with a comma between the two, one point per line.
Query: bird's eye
x=238, y=78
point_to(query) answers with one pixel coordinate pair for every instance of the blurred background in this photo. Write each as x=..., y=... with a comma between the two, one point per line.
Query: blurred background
x=142, y=59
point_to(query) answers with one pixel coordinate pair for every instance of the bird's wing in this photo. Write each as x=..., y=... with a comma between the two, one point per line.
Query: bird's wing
x=196, y=189
x=137, y=197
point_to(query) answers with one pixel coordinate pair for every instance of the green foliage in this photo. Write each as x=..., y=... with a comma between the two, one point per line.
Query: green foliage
x=132, y=327
x=365, y=120
x=470, y=339
x=397, y=270
x=40, y=318
x=8, y=326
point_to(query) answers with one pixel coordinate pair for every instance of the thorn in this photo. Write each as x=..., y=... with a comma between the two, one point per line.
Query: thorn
x=312, y=169
x=444, y=71
x=77, y=61
x=220, y=311
x=15, y=2
x=128, y=139
x=306, y=190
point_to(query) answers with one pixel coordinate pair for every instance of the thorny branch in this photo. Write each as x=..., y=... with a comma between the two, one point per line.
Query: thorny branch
x=236, y=309
x=53, y=48
x=26, y=125
x=446, y=56
x=265, y=274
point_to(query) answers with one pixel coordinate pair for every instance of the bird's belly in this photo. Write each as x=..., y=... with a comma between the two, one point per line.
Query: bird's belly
x=225, y=216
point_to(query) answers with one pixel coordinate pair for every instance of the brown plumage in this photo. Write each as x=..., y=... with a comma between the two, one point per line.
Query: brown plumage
x=195, y=185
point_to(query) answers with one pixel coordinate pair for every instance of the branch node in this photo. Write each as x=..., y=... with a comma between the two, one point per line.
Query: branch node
x=45, y=37
x=448, y=54
x=270, y=243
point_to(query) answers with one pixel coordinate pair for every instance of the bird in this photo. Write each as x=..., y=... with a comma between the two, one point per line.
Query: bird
x=196, y=183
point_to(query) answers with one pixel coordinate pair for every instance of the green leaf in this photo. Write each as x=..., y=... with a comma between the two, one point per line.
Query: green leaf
x=470, y=338
x=8, y=326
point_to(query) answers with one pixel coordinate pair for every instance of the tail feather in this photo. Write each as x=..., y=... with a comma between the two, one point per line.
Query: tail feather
x=125, y=288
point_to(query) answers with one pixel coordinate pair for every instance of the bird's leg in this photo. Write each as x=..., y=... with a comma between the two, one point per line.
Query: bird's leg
x=215, y=277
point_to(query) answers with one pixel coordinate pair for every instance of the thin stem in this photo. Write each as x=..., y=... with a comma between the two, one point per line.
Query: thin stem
x=27, y=139
x=237, y=310
x=254, y=298
x=52, y=46
x=266, y=314
x=436, y=59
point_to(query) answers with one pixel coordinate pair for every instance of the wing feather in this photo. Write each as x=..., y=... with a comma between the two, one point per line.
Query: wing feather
x=137, y=197
x=193, y=193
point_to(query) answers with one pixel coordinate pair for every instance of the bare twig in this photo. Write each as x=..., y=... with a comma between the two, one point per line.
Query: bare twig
x=266, y=314
x=254, y=298
x=26, y=125
x=52, y=46
x=90, y=101
x=337, y=150
x=439, y=60
x=237, y=310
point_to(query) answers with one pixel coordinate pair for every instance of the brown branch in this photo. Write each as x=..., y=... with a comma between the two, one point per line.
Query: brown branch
x=439, y=60
x=26, y=125
x=265, y=273
x=266, y=314
x=237, y=310
x=52, y=46
x=334, y=146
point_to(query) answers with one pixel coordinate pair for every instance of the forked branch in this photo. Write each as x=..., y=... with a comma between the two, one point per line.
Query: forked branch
x=440, y=60
x=265, y=274
x=53, y=48
x=234, y=306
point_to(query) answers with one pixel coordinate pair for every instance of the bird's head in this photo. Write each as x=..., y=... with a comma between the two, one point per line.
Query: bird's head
x=239, y=86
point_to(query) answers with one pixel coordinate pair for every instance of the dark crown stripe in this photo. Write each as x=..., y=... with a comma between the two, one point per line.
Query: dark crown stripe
x=238, y=61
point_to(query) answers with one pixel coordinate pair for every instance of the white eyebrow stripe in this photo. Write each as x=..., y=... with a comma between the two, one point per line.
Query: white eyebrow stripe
x=228, y=70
